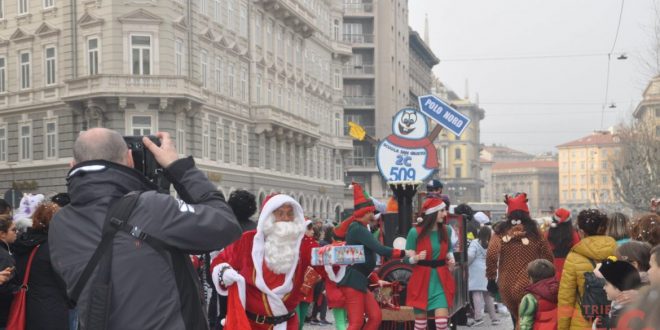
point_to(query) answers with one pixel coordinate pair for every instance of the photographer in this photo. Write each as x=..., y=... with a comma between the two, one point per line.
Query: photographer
x=151, y=287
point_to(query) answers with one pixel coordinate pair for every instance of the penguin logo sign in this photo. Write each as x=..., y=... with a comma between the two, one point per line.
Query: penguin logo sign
x=408, y=154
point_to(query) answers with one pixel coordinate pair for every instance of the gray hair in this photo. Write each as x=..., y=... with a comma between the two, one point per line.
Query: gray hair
x=100, y=144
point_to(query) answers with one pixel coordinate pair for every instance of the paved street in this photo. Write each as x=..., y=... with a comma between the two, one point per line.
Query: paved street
x=505, y=324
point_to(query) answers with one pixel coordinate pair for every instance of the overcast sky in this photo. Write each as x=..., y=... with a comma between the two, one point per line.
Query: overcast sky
x=536, y=104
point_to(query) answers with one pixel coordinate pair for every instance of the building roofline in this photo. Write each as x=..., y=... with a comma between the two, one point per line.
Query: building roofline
x=416, y=42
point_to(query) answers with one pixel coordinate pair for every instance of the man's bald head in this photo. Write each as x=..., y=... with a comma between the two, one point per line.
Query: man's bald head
x=100, y=144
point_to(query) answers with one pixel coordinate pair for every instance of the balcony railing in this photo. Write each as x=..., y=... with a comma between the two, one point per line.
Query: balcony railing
x=359, y=38
x=360, y=162
x=358, y=8
x=359, y=101
x=366, y=69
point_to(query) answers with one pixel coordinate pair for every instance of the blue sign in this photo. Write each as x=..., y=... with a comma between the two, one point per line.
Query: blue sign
x=443, y=114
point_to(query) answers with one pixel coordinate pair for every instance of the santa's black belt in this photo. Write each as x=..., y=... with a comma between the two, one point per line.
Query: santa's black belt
x=274, y=320
x=432, y=263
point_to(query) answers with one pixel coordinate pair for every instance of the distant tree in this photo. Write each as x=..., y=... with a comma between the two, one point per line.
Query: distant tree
x=650, y=57
x=636, y=169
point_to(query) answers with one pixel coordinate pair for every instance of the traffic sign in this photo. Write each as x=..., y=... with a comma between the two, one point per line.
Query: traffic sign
x=443, y=114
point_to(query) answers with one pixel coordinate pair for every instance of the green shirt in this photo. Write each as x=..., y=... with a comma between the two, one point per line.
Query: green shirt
x=356, y=275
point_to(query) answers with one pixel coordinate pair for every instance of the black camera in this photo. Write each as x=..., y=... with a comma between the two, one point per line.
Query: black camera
x=145, y=162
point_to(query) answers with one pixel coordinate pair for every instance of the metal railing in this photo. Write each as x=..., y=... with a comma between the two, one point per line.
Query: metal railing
x=359, y=101
x=359, y=38
x=358, y=69
x=360, y=162
x=358, y=8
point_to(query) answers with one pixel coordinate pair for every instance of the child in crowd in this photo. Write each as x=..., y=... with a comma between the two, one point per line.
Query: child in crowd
x=654, y=270
x=477, y=282
x=619, y=276
x=538, y=308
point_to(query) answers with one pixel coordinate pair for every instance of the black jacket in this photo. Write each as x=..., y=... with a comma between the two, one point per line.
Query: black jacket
x=149, y=291
x=46, y=305
x=7, y=289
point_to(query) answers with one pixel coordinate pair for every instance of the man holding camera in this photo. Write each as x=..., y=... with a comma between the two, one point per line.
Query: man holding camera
x=152, y=282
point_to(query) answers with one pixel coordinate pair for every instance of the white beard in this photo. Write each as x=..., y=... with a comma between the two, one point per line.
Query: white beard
x=281, y=242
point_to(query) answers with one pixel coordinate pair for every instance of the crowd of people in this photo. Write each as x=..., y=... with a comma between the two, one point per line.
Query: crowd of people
x=114, y=253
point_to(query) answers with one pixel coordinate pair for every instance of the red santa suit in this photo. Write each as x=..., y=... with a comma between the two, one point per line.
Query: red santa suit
x=265, y=293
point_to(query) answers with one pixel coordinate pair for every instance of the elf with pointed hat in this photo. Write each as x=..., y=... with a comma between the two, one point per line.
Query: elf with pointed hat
x=264, y=271
x=431, y=286
x=561, y=236
x=515, y=243
x=354, y=284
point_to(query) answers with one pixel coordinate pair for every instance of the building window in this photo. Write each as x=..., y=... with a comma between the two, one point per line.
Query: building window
x=230, y=80
x=141, y=125
x=3, y=75
x=603, y=165
x=232, y=144
x=220, y=141
x=243, y=23
x=262, y=150
x=203, y=7
x=269, y=93
x=25, y=141
x=335, y=30
x=564, y=194
x=23, y=7
x=604, y=179
x=657, y=112
x=457, y=154
x=573, y=194
x=257, y=89
x=244, y=86
x=2, y=9
x=51, y=66
x=338, y=131
x=269, y=35
x=25, y=60
x=337, y=79
x=181, y=134
x=280, y=44
x=3, y=143
x=141, y=54
x=93, y=56
x=458, y=172
x=246, y=147
x=258, y=31
x=206, y=140
x=204, y=67
x=178, y=49
x=49, y=4
x=218, y=75
x=51, y=139
x=230, y=15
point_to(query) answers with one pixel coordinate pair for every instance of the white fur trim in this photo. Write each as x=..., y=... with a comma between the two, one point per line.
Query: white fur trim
x=215, y=275
x=275, y=296
x=23, y=224
x=331, y=273
x=435, y=209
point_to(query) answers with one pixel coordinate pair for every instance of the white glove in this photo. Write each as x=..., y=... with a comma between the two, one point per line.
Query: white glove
x=229, y=277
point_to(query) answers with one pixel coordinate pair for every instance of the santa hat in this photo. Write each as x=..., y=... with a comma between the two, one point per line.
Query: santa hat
x=560, y=216
x=362, y=202
x=263, y=204
x=516, y=203
x=430, y=206
x=621, y=274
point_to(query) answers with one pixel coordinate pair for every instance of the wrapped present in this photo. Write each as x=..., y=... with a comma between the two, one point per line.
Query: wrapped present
x=310, y=279
x=338, y=255
x=387, y=294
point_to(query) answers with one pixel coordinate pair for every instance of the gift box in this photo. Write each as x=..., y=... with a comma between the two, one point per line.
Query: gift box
x=338, y=255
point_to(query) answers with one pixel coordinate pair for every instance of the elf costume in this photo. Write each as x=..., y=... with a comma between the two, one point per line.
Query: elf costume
x=431, y=285
x=355, y=282
x=559, y=231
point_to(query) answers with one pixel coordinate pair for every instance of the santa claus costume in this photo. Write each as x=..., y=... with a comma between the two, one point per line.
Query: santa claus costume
x=268, y=265
x=515, y=243
x=359, y=300
x=431, y=286
x=561, y=236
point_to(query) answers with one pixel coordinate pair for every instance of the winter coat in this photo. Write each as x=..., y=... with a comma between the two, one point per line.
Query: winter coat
x=47, y=304
x=596, y=248
x=150, y=290
x=7, y=289
x=477, y=267
x=538, y=309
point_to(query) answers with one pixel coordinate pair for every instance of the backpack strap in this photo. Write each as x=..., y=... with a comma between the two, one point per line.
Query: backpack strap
x=120, y=209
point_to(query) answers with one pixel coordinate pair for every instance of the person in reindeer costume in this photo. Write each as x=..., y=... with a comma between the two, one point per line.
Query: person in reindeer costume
x=515, y=243
x=268, y=266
